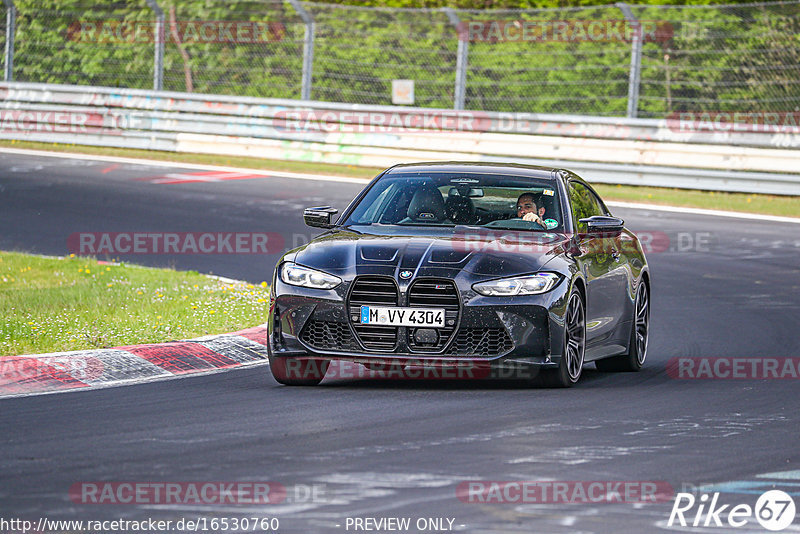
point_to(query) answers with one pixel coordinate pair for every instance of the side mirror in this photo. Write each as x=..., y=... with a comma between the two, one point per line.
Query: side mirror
x=602, y=224
x=319, y=217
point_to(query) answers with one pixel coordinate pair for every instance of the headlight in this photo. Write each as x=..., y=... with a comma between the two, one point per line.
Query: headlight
x=297, y=275
x=533, y=284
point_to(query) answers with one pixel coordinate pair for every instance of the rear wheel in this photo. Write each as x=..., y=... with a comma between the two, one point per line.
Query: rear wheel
x=637, y=347
x=571, y=364
x=298, y=371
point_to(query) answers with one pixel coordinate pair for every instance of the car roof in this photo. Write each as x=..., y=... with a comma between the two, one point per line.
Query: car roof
x=461, y=167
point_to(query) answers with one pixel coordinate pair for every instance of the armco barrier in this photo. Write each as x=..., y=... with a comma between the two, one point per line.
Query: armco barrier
x=625, y=151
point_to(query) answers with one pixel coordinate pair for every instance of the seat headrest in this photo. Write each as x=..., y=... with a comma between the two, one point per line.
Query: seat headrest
x=460, y=210
x=427, y=205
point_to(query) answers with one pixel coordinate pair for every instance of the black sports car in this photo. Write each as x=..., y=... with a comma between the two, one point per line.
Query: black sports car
x=463, y=264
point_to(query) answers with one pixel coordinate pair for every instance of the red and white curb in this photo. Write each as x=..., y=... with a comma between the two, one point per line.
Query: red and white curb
x=89, y=369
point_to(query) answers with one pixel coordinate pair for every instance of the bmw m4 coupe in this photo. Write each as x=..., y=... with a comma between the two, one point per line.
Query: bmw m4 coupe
x=464, y=264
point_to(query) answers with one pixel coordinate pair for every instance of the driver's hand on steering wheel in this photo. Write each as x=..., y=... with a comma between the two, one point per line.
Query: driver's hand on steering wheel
x=533, y=217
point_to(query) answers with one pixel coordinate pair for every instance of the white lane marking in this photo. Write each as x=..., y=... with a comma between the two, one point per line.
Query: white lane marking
x=189, y=177
x=222, y=279
x=179, y=165
x=222, y=336
x=225, y=280
x=782, y=475
x=584, y=454
x=699, y=211
x=328, y=178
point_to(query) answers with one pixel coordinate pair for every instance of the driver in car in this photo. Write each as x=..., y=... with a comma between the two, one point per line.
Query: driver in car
x=528, y=210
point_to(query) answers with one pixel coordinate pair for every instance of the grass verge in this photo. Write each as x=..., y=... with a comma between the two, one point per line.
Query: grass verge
x=202, y=159
x=75, y=303
x=743, y=202
x=785, y=206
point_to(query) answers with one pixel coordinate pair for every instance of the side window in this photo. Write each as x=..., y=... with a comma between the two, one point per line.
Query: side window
x=371, y=212
x=395, y=207
x=583, y=203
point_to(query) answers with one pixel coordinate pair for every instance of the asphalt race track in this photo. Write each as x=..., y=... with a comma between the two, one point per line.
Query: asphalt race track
x=722, y=287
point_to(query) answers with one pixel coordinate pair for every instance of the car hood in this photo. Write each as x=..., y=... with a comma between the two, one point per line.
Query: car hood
x=426, y=252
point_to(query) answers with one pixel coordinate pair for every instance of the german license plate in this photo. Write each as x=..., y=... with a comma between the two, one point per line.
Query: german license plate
x=424, y=317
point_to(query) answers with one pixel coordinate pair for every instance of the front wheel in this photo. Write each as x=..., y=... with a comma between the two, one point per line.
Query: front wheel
x=571, y=364
x=298, y=371
x=637, y=347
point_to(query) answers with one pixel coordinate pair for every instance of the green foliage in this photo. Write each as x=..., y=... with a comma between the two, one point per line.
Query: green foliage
x=51, y=44
x=708, y=58
x=514, y=4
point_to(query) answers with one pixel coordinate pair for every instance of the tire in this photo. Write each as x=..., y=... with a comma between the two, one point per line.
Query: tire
x=571, y=364
x=298, y=371
x=633, y=361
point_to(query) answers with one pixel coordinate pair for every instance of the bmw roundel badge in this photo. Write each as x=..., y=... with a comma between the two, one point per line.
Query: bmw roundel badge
x=405, y=275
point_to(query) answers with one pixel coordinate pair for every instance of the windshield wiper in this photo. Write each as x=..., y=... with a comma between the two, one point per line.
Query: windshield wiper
x=427, y=225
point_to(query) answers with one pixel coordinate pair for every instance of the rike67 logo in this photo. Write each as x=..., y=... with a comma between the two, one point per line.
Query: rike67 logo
x=774, y=510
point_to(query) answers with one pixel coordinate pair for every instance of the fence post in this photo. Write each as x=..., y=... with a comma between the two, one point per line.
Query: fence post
x=634, y=78
x=308, y=49
x=462, y=57
x=160, y=35
x=11, y=26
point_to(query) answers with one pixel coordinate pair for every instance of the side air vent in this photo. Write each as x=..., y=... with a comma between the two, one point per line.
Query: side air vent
x=328, y=336
x=484, y=342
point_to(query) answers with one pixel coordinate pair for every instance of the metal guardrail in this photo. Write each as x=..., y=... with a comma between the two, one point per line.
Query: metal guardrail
x=624, y=151
x=137, y=100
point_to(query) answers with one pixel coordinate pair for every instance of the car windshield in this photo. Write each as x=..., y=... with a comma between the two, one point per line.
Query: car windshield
x=450, y=199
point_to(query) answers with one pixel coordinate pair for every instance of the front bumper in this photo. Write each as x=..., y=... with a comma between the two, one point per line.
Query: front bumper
x=504, y=332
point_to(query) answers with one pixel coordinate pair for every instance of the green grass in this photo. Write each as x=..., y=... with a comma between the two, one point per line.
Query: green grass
x=787, y=206
x=749, y=203
x=53, y=305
